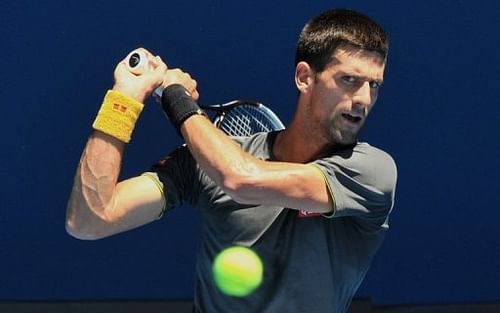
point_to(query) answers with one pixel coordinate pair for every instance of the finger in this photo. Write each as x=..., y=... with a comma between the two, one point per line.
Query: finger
x=195, y=95
x=121, y=67
x=171, y=77
x=160, y=65
x=195, y=84
x=156, y=61
x=158, y=74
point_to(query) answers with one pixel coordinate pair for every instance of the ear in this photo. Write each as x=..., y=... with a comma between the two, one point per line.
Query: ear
x=304, y=76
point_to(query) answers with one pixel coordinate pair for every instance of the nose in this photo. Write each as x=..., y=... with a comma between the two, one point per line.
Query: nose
x=363, y=96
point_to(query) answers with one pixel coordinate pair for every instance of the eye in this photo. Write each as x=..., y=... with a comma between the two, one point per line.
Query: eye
x=349, y=80
x=375, y=84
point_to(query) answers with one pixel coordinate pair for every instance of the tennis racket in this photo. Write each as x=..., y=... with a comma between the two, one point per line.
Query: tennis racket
x=235, y=118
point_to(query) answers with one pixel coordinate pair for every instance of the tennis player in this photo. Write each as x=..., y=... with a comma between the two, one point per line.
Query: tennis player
x=312, y=200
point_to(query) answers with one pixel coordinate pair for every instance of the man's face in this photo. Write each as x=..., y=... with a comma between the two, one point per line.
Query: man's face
x=343, y=94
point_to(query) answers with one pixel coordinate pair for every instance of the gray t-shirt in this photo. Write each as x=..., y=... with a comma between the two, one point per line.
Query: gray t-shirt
x=312, y=263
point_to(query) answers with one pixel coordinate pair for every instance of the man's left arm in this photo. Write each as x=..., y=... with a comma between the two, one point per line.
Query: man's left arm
x=250, y=180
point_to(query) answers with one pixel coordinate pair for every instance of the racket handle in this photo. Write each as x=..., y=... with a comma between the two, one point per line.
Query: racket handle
x=137, y=63
x=157, y=94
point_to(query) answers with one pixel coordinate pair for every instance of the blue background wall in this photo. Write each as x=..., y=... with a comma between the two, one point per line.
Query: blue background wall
x=437, y=115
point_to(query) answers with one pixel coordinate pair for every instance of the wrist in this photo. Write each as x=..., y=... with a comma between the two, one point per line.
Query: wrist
x=178, y=104
x=118, y=114
x=131, y=92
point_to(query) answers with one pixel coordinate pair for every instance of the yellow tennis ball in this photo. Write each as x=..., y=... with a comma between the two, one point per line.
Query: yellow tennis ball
x=237, y=271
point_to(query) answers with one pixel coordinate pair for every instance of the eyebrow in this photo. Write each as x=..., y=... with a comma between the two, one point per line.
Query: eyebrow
x=360, y=76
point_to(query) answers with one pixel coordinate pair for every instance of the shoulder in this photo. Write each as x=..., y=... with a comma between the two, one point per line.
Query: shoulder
x=365, y=154
x=364, y=163
x=364, y=148
x=376, y=162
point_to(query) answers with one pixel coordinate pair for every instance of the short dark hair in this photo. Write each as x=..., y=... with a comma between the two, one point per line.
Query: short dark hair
x=339, y=28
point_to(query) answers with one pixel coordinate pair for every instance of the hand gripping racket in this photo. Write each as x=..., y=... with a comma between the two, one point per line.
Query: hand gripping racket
x=235, y=118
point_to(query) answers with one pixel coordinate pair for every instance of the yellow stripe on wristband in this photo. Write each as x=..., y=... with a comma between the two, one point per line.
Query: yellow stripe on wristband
x=118, y=115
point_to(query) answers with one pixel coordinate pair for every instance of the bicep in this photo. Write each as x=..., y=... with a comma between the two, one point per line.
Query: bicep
x=136, y=201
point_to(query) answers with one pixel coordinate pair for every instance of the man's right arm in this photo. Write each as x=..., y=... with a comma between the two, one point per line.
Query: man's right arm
x=99, y=206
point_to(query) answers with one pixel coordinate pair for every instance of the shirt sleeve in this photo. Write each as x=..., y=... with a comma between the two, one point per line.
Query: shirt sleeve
x=178, y=174
x=362, y=183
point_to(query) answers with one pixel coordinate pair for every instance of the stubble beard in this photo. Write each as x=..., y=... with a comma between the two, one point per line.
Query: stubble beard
x=338, y=134
x=331, y=131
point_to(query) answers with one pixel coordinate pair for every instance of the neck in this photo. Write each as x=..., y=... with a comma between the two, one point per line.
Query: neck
x=295, y=145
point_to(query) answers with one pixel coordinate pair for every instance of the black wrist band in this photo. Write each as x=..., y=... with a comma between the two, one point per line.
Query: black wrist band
x=178, y=105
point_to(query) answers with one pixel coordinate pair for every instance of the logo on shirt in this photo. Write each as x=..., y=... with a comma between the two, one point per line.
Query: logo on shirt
x=306, y=214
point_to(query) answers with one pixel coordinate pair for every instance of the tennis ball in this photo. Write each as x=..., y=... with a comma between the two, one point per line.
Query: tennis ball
x=237, y=271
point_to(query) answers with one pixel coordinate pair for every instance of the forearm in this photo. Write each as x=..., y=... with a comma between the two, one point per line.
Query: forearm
x=89, y=210
x=250, y=180
x=99, y=205
x=219, y=156
x=94, y=184
x=242, y=176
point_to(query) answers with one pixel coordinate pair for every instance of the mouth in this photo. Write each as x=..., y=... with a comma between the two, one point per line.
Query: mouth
x=352, y=118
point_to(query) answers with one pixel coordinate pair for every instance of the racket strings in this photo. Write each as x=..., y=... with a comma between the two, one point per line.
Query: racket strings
x=246, y=120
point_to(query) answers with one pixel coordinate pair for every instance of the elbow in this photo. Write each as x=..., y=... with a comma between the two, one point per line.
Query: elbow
x=77, y=234
x=240, y=181
x=232, y=187
x=239, y=188
x=80, y=232
x=84, y=223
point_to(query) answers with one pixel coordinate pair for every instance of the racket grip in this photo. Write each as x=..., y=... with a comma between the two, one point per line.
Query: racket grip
x=157, y=94
x=137, y=63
